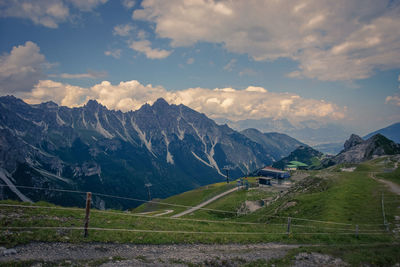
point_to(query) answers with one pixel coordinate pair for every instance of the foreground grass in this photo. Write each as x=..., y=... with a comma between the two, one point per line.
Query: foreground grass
x=343, y=199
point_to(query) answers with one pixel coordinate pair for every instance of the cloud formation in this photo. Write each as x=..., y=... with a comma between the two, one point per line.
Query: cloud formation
x=88, y=75
x=47, y=13
x=144, y=46
x=250, y=103
x=128, y=4
x=21, y=68
x=394, y=99
x=116, y=53
x=87, y=5
x=331, y=40
x=122, y=30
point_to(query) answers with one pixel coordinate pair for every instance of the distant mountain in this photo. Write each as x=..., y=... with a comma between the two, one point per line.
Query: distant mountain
x=391, y=132
x=91, y=148
x=304, y=154
x=279, y=145
x=310, y=132
x=329, y=148
x=357, y=150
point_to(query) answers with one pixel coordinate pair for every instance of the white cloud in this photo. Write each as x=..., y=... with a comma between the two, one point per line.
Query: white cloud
x=122, y=30
x=116, y=53
x=230, y=65
x=87, y=5
x=64, y=94
x=190, y=60
x=88, y=75
x=247, y=72
x=331, y=40
x=21, y=68
x=144, y=46
x=128, y=3
x=395, y=99
x=47, y=13
x=251, y=103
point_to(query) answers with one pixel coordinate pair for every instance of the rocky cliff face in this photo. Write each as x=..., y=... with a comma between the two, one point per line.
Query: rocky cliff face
x=357, y=150
x=352, y=141
x=91, y=148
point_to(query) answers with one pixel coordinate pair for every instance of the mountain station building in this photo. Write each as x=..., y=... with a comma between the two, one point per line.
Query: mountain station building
x=270, y=172
x=296, y=165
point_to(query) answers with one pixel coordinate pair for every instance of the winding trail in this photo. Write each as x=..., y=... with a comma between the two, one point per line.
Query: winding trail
x=395, y=188
x=163, y=213
x=205, y=203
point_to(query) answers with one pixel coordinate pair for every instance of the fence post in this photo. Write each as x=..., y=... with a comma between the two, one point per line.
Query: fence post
x=288, y=225
x=88, y=200
x=384, y=216
x=357, y=230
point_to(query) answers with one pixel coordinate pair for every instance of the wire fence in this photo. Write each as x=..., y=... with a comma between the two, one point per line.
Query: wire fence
x=171, y=231
x=201, y=208
x=346, y=228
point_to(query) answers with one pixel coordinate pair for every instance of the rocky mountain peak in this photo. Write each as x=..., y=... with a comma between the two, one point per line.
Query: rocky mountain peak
x=160, y=103
x=93, y=105
x=352, y=141
x=49, y=105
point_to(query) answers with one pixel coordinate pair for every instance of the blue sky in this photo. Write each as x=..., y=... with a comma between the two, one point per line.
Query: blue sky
x=330, y=61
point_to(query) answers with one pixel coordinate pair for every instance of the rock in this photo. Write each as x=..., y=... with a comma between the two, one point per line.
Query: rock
x=8, y=252
x=317, y=259
x=353, y=141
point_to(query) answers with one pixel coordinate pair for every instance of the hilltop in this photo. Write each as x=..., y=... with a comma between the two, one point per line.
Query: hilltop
x=357, y=150
x=303, y=154
x=391, y=132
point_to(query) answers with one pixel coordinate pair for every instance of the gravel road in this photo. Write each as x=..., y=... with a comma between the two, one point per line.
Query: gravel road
x=144, y=255
x=205, y=203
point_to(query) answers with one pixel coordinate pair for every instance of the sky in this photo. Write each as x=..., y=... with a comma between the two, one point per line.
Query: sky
x=335, y=61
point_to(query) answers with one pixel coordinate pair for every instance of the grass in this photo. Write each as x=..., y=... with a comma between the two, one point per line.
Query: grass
x=348, y=198
x=190, y=198
x=391, y=176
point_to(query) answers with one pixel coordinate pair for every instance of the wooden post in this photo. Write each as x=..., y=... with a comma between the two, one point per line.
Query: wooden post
x=357, y=230
x=384, y=216
x=88, y=200
x=288, y=225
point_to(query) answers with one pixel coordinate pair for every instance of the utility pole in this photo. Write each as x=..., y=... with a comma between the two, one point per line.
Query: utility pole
x=148, y=189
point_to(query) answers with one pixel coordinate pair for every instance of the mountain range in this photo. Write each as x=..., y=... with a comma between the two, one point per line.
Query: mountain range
x=91, y=148
x=391, y=132
x=357, y=150
x=310, y=132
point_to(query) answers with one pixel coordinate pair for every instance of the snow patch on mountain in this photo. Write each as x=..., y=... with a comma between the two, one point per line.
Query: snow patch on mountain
x=11, y=186
x=100, y=129
x=170, y=159
x=142, y=137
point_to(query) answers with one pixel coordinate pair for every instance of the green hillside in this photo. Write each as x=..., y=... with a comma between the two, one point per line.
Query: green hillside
x=325, y=208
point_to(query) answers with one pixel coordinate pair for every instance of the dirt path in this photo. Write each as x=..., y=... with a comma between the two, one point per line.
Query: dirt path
x=395, y=188
x=163, y=213
x=205, y=203
x=146, y=255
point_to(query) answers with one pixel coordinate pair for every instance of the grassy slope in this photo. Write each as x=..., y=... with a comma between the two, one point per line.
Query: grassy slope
x=190, y=198
x=328, y=195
